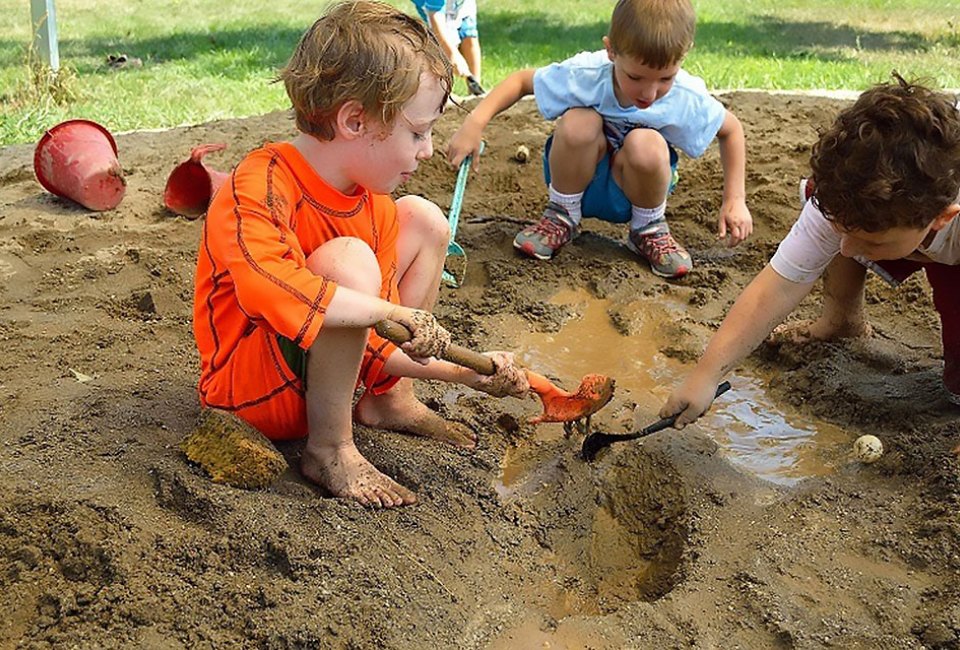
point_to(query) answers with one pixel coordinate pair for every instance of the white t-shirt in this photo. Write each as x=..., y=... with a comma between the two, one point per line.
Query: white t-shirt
x=812, y=244
x=688, y=117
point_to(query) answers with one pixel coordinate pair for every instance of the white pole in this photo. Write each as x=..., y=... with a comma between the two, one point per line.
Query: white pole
x=45, y=32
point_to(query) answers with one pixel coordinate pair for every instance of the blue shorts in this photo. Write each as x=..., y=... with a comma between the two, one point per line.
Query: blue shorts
x=464, y=24
x=603, y=198
x=468, y=28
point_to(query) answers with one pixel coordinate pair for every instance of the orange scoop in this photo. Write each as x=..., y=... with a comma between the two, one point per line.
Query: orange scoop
x=593, y=393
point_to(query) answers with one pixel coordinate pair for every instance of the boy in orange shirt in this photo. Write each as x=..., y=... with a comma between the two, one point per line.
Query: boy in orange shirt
x=303, y=250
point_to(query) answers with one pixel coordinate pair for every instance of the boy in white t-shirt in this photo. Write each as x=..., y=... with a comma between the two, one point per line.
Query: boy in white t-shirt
x=623, y=111
x=886, y=179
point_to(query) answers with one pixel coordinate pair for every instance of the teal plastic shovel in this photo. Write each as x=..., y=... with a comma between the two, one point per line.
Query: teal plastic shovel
x=455, y=267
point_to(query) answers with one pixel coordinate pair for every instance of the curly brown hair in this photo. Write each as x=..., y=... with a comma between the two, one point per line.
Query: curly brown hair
x=658, y=33
x=890, y=160
x=364, y=51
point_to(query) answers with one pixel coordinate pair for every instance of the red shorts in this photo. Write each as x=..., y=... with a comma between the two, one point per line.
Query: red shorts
x=944, y=279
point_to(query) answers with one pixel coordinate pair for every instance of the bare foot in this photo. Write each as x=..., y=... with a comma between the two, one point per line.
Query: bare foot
x=344, y=472
x=804, y=331
x=399, y=410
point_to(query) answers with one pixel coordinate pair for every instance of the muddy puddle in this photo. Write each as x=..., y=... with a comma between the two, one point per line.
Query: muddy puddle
x=620, y=553
x=754, y=433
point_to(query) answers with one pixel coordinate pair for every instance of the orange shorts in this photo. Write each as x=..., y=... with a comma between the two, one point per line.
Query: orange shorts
x=263, y=384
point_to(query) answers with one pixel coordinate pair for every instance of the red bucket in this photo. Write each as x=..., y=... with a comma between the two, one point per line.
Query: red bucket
x=192, y=184
x=77, y=159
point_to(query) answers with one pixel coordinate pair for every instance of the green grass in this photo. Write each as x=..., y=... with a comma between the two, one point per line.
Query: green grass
x=204, y=60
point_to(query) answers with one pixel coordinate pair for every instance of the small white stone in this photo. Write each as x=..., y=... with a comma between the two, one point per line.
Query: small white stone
x=868, y=449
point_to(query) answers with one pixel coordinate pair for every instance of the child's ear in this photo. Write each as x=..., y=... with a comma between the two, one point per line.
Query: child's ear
x=949, y=214
x=351, y=120
x=606, y=45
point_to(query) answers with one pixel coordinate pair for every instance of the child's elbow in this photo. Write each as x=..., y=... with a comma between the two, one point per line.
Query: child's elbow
x=731, y=126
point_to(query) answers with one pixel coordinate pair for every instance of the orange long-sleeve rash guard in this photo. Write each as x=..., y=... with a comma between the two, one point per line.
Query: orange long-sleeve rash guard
x=262, y=225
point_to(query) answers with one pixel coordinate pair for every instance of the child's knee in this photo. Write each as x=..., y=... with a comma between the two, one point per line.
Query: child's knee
x=580, y=127
x=646, y=151
x=349, y=262
x=426, y=218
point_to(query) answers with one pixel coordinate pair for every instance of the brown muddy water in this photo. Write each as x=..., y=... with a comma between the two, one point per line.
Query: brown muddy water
x=755, y=434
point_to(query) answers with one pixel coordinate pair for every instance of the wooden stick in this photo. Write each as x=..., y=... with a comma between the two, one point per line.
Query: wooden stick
x=399, y=334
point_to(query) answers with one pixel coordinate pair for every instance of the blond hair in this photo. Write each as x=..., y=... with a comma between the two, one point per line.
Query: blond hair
x=363, y=51
x=658, y=33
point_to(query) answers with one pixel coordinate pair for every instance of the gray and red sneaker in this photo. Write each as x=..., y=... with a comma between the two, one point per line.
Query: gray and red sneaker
x=543, y=239
x=654, y=243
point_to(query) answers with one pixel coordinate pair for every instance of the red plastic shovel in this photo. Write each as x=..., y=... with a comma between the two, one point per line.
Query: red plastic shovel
x=593, y=393
x=192, y=183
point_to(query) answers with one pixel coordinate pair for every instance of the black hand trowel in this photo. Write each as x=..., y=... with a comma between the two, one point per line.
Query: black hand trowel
x=596, y=441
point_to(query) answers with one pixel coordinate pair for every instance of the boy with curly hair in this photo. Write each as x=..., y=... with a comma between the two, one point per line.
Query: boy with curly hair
x=622, y=112
x=886, y=193
x=303, y=250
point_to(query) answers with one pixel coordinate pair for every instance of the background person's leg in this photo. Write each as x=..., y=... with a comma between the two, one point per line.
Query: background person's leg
x=945, y=281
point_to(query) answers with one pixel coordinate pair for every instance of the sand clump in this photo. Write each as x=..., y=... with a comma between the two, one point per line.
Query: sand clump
x=233, y=452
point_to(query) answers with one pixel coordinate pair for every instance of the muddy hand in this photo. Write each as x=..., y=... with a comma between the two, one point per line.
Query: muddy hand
x=460, y=66
x=508, y=378
x=689, y=401
x=429, y=339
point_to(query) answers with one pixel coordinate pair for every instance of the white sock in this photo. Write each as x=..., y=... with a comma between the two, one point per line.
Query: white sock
x=572, y=203
x=643, y=217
